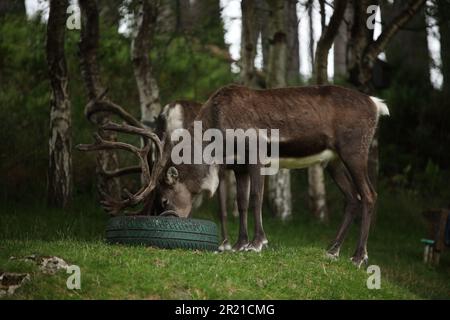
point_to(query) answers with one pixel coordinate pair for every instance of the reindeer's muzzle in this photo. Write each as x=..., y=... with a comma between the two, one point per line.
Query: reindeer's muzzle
x=169, y=213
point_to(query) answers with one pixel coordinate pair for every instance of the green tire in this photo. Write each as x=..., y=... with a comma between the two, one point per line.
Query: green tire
x=163, y=232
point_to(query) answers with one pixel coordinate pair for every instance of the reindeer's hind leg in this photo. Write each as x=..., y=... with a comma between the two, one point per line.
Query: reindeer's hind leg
x=357, y=165
x=242, y=186
x=343, y=180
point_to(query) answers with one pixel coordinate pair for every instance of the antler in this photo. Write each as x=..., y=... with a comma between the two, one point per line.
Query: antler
x=115, y=206
x=111, y=174
x=102, y=104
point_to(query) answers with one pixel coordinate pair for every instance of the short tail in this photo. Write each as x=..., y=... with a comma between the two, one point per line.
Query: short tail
x=382, y=108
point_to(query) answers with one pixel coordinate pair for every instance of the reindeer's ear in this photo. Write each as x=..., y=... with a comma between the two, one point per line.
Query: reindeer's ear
x=171, y=176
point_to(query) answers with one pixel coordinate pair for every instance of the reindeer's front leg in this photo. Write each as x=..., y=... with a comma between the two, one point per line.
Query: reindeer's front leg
x=242, y=187
x=225, y=246
x=256, y=199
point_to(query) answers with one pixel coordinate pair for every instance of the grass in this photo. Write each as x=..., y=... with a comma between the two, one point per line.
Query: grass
x=294, y=267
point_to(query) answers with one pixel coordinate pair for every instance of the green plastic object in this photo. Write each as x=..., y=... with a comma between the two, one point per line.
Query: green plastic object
x=163, y=232
x=427, y=241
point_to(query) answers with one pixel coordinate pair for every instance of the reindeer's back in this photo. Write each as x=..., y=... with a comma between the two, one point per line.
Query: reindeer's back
x=239, y=106
x=308, y=118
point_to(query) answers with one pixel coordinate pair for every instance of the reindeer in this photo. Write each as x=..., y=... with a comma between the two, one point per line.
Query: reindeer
x=316, y=124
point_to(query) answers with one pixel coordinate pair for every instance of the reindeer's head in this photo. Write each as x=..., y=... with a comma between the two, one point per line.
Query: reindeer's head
x=164, y=179
x=180, y=184
x=174, y=194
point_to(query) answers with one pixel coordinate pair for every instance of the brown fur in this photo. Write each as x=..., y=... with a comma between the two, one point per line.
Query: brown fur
x=310, y=119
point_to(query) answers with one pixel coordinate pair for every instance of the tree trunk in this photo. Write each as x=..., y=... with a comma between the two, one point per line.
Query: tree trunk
x=364, y=50
x=341, y=45
x=311, y=32
x=16, y=7
x=148, y=89
x=183, y=16
x=317, y=196
x=279, y=187
x=326, y=40
x=316, y=180
x=140, y=48
x=106, y=160
x=412, y=38
x=262, y=10
x=316, y=186
x=293, y=45
x=59, y=177
x=249, y=37
x=110, y=11
x=276, y=69
x=444, y=30
x=205, y=15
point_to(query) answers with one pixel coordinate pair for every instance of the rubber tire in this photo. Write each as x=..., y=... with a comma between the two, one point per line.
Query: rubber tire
x=163, y=232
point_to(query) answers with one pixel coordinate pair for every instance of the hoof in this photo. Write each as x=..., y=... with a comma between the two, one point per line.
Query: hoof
x=257, y=245
x=333, y=256
x=225, y=246
x=240, y=246
x=359, y=261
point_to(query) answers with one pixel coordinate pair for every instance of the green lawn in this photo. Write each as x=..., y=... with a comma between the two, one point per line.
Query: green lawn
x=294, y=267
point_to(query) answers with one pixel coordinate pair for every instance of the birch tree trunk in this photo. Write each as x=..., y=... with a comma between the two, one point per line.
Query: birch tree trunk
x=59, y=176
x=316, y=182
x=249, y=37
x=106, y=160
x=147, y=86
x=140, y=49
x=444, y=30
x=262, y=13
x=341, y=45
x=293, y=44
x=316, y=179
x=279, y=185
x=310, y=4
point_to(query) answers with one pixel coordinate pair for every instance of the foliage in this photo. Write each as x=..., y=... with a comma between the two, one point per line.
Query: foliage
x=185, y=68
x=24, y=100
x=414, y=139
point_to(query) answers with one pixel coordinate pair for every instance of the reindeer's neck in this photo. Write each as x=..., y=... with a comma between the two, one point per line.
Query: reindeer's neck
x=210, y=181
x=200, y=177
